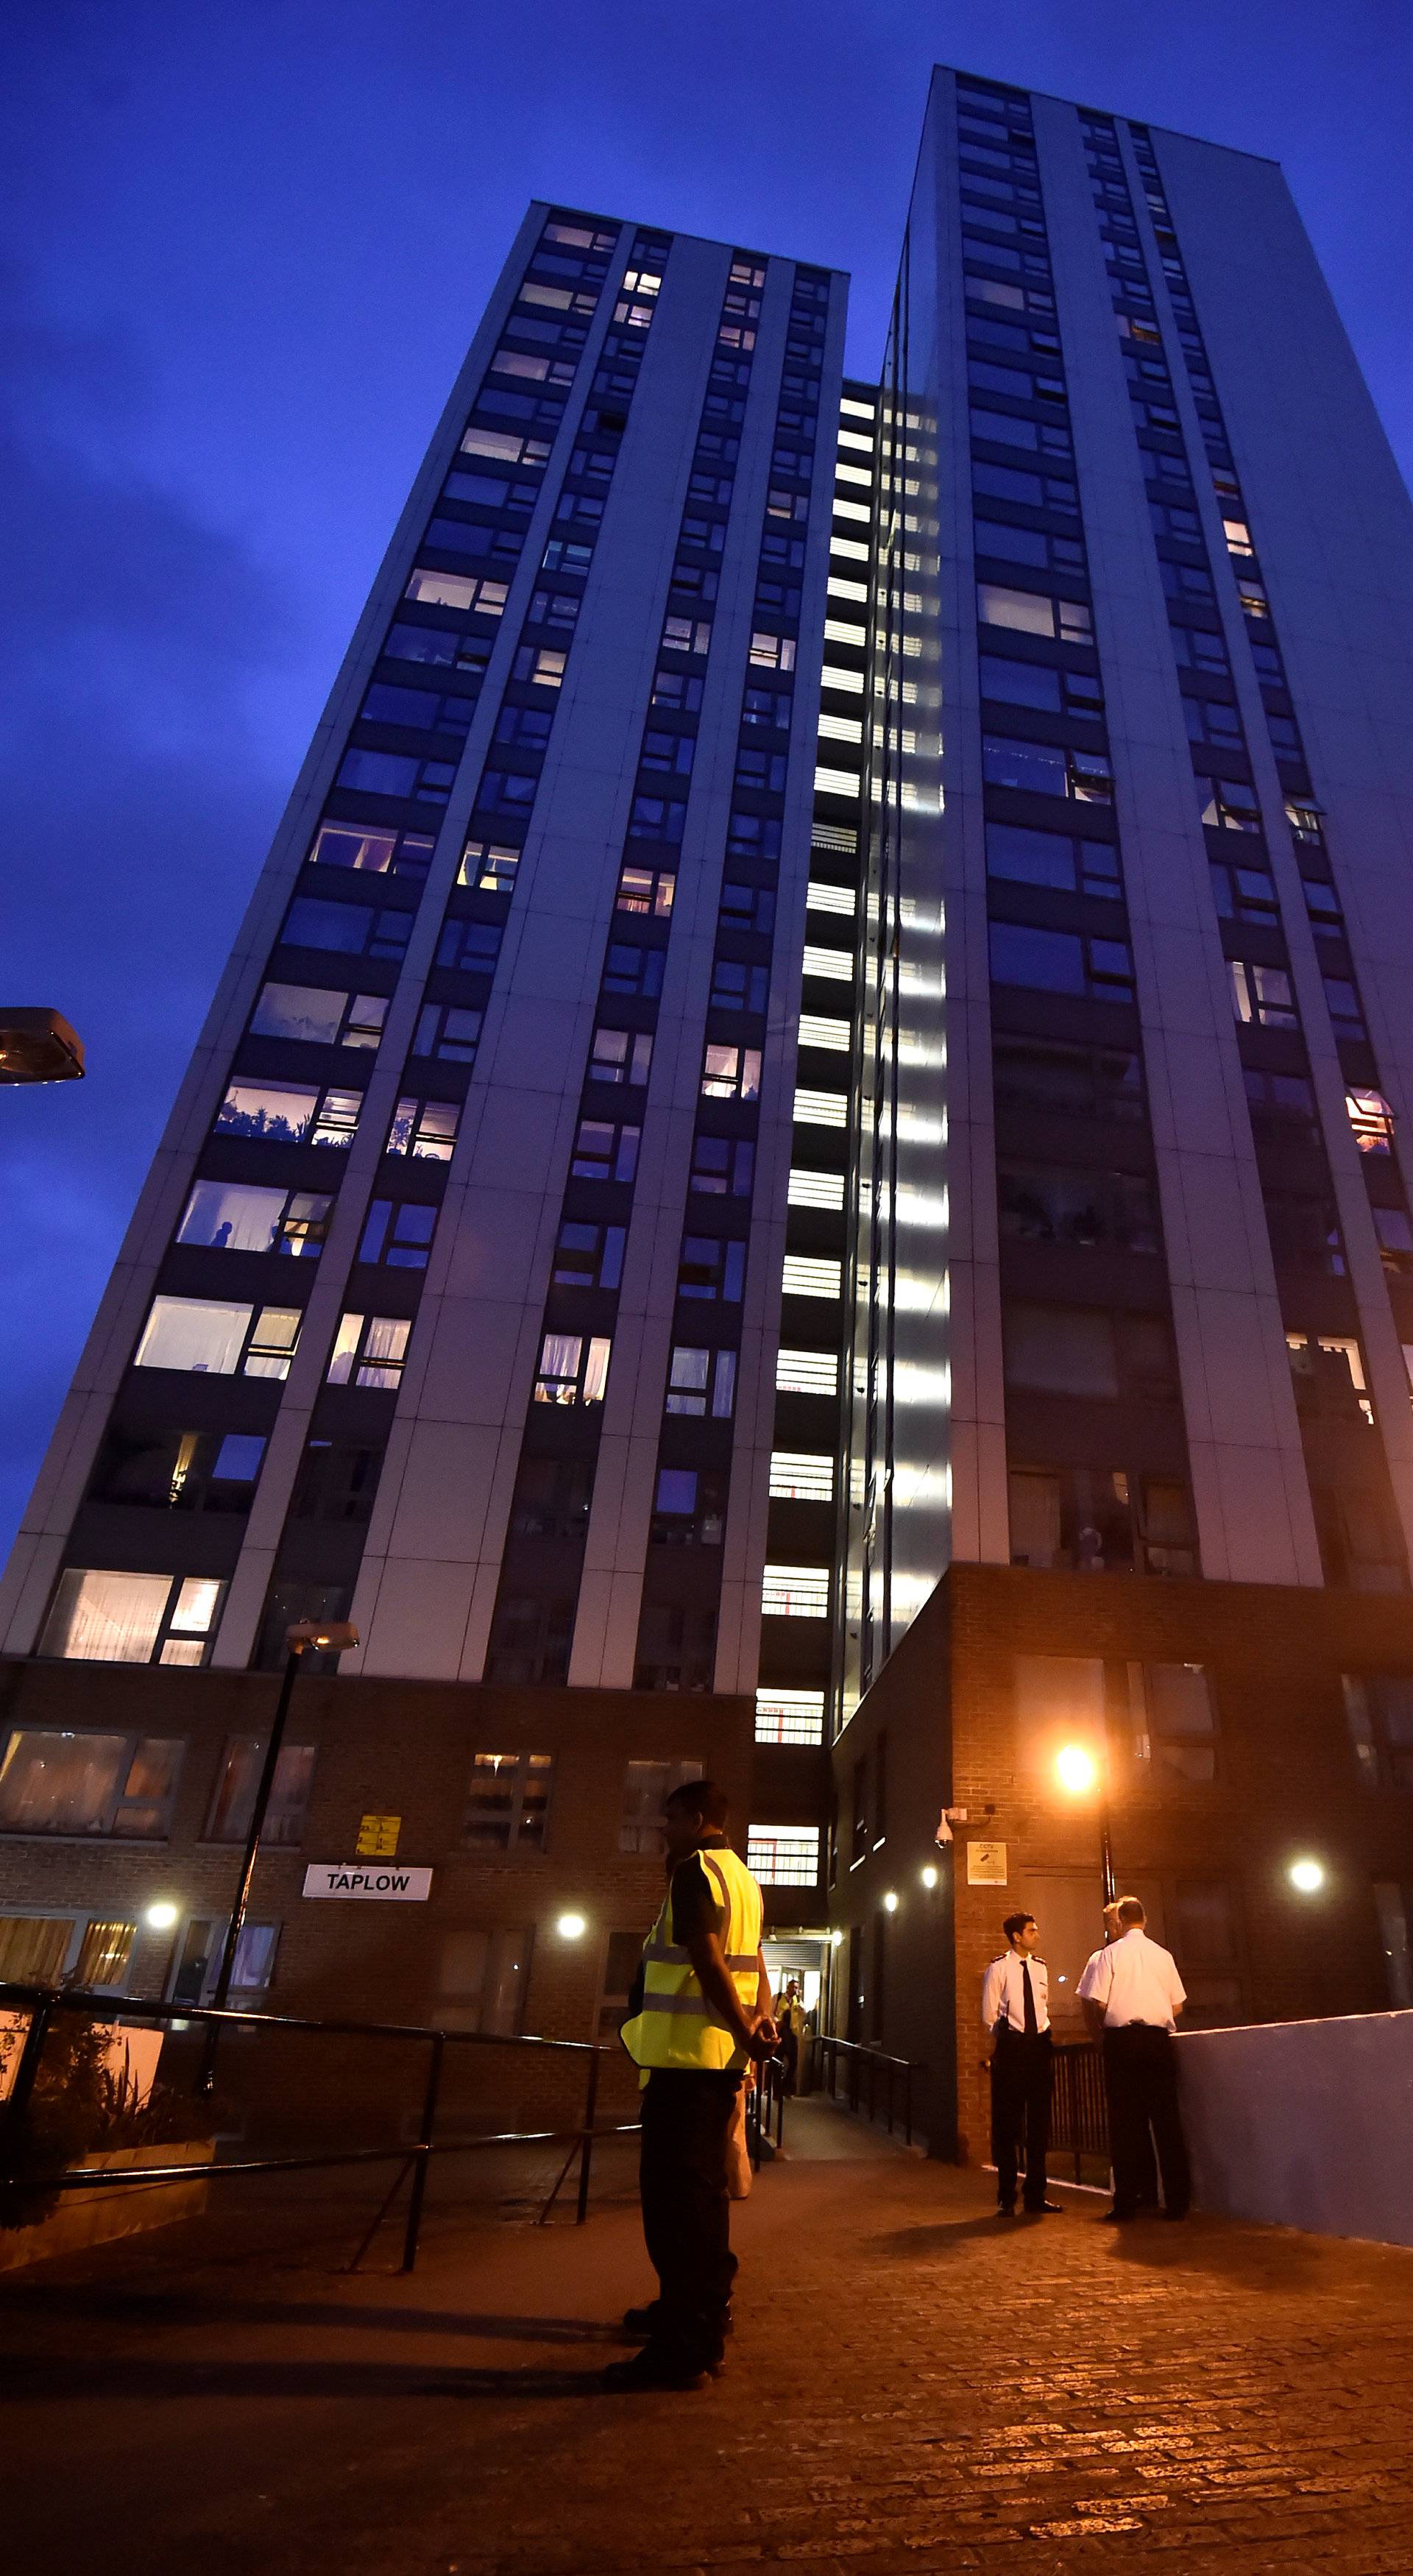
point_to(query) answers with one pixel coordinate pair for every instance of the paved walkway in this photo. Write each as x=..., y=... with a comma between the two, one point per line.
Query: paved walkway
x=913, y=2385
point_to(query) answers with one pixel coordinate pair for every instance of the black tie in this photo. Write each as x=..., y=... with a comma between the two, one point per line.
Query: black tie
x=1032, y=2026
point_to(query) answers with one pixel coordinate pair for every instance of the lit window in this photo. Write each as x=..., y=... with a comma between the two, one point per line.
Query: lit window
x=834, y=965
x=54, y=1782
x=804, y=1276
x=830, y=898
x=795, y=1592
x=272, y=1341
x=832, y=1035
x=701, y=1381
x=1177, y=1722
x=773, y=652
x=620, y=1055
x=783, y=1855
x=488, y=864
x=1372, y=1121
x=731, y=1073
x=801, y=1476
x=789, y=1717
x=839, y=728
x=103, y=1618
x=572, y=1370
x=806, y=1372
x=369, y=1351
x=836, y=782
x=507, y=1801
x=457, y=590
x=209, y=1339
x=425, y=1129
x=1261, y=994
x=821, y=1109
x=816, y=1189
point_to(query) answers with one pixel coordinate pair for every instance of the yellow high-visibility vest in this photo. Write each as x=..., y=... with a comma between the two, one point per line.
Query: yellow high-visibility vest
x=676, y=2025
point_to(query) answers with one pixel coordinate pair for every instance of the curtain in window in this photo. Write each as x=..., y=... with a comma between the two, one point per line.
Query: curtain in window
x=33, y=1948
x=193, y=1333
x=104, y=1953
x=106, y=1618
x=60, y=1784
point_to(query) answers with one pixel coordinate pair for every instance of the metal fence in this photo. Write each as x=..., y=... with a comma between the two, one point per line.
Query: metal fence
x=866, y=2070
x=44, y=2004
x=1079, y=2115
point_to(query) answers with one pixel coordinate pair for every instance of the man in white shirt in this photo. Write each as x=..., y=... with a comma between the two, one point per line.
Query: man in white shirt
x=1015, y=2008
x=1132, y=1993
x=1146, y=2177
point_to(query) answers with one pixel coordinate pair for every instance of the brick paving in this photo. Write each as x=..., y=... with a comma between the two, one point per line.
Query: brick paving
x=913, y=2385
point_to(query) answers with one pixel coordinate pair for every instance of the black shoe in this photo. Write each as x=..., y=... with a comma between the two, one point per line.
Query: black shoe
x=1044, y=2209
x=649, y=2369
x=1118, y=2217
x=1005, y=2209
x=643, y=2321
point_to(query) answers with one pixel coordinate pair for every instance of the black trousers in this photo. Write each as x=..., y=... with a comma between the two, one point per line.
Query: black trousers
x=1140, y=2078
x=687, y=2209
x=1022, y=2073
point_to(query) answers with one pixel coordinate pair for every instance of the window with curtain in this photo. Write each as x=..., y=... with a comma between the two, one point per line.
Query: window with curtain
x=233, y=1802
x=55, y=1782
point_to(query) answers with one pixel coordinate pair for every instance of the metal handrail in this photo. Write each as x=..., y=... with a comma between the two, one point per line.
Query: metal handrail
x=858, y=2052
x=43, y=2002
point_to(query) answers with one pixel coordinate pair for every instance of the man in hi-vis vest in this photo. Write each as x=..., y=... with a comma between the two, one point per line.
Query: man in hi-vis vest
x=700, y=2009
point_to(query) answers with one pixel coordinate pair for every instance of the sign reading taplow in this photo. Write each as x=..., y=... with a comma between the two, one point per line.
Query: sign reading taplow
x=383, y=1881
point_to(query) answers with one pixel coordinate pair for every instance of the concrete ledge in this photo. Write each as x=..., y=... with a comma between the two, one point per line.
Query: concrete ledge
x=1304, y=2123
x=92, y=2217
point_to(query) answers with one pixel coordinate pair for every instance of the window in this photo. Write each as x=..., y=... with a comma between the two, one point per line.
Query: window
x=482, y=1980
x=789, y=1716
x=313, y=1017
x=1023, y=856
x=457, y=590
x=283, y=1113
x=489, y=865
x=1028, y=546
x=1378, y=1710
x=806, y=1372
x=801, y=1476
x=573, y=1369
x=350, y=928
x=712, y=1266
x=1244, y=893
x=1040, y=684
x=398, y=1233
x=448, y=1032
x=830, y=1035
x=783, y=1855
x=369, y=1351
x=1212, y=720
x=735, y=987
x=629, y=968
x=237, y=1782
x=1231, y=805
x=645, y=1786
x=1278, y=1100
x=647, y=890
x=1031, y=613
x=1046, y=769
x=701, y=1382
x=233, y=1216
x=687, y=635
x=57, y=1782
x=795, y=1592
x=588, y=1256
x=1305, y=1233
x=1178, y=1725
x=604, y=1152
x=179, y=1470
x=336, y=1480
x=445, y=646
x=421, y=710
x=815, y=1189
x=771, y=652
x=1047, y=1075
x=657, y=818
x=507, y=1802
x=731, y=1073
x=201, y=1335
x=1261, y=995
x=1046, y=1203
x=426, y=1129
x=689, y=1508
x=620, y=1055
x=469, y=947
x=1099, y=1520
x=722, y=1167
x=1061, y=961
x=373, y=852
x=821, y=1109
x=804, y=1275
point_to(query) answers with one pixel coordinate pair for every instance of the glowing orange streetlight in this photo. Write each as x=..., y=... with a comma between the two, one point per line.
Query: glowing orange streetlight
x=1079, y=1772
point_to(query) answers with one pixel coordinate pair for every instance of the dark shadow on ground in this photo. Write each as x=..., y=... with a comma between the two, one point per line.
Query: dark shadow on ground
x=1251, y=2258
x=131, y=2307
x=944, y=2238
x=42, y=2378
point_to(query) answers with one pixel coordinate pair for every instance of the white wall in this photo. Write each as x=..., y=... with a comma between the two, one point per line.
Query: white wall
x=1304, y=2123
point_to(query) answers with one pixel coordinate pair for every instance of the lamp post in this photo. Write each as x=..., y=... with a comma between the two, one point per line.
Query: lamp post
x=329, y=1638
x=37, y=1046
x=1078, y=1771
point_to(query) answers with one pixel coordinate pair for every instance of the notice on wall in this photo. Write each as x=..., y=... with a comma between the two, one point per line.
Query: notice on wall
x=986, y=1864
x=385, y=1886
x=377, y=1837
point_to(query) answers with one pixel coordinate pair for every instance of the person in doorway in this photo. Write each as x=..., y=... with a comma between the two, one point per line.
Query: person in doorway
x=1132, y=1994
x=794, y=2033
x=698, y=2015
x=1015, y=2008
x=1146, y=2170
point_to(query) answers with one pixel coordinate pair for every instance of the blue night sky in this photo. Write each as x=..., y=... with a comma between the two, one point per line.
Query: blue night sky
x=247, y=249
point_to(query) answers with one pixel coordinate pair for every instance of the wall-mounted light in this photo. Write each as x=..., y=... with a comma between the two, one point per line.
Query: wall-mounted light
x=160, y=1917
x=1307, y=1875
x=572, y=1927
x=1076, y=1770
x=929, y=1876
x=835, y=1939
x=890, y=1902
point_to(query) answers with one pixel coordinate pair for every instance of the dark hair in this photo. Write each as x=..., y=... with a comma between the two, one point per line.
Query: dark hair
x=1130, y=1911
x=1015, y=1923
x=701, y=1798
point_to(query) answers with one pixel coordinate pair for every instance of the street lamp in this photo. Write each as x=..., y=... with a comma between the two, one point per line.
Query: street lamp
x=333, y=1637
x=1307, y=1875
x=37, y=1046
x=1078, y=1771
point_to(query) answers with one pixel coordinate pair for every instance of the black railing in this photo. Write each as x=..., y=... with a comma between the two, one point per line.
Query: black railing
x=765, y=2109
x=862, y=2069
x=1079, y=2113
x=42, y=2003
